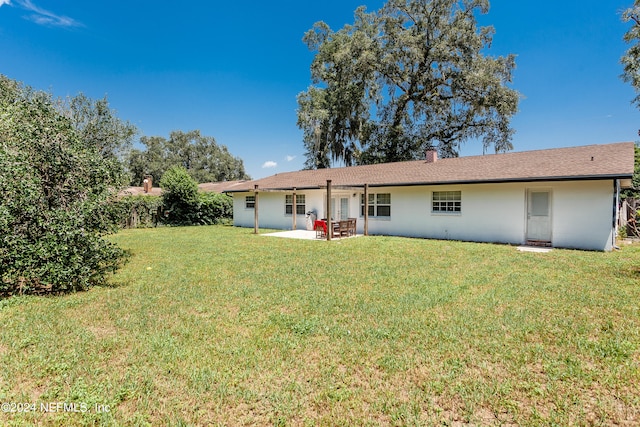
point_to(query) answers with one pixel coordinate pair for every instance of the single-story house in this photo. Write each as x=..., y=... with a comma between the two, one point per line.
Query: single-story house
x=562, y=197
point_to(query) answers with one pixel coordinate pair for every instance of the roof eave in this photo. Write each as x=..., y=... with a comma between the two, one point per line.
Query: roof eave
x=455, y=182
x=509, y=180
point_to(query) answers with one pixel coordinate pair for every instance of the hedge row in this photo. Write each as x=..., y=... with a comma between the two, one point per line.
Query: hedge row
x=150, y=211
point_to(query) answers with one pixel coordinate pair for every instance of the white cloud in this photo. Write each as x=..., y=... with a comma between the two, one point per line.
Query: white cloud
x=7, y=2
x=44, y=17
x=290, y=158
x=269, y=164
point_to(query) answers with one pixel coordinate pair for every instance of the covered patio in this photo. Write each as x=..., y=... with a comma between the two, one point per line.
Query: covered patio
x=339, y=228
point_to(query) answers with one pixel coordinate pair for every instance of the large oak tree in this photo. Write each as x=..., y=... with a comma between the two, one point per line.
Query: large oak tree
x=411, y=76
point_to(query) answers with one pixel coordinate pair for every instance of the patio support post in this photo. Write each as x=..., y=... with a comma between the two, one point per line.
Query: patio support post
x=366, y=209
x=295, y=209
x=255, y=211
x=329, y=225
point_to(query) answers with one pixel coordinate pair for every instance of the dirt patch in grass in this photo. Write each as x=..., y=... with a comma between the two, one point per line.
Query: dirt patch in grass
x=102, y=331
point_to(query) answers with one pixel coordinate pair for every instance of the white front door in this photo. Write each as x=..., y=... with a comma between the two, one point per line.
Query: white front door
x=539, y=215
x=339, y=208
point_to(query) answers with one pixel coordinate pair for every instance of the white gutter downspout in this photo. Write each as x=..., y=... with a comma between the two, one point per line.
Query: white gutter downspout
x=616, y=212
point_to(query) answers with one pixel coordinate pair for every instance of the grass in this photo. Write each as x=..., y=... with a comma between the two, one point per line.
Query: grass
x=217, y=326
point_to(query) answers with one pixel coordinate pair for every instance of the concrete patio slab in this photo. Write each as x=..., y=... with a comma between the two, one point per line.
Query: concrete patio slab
x=294, y=234
x=534, y=249
x=300, y=234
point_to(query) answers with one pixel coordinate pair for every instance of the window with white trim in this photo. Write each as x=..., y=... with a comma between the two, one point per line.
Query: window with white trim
x=300, y=204
x=250, y=202
x=446, y=202
x=379, y=204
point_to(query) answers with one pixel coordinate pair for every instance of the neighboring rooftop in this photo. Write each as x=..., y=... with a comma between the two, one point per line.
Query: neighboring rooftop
x=220, y=187
x=139, y=191
x=207, y=187
x=573, y=163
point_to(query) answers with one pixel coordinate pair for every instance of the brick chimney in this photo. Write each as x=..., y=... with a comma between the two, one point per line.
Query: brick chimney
x=147, y=183
x=432, y=156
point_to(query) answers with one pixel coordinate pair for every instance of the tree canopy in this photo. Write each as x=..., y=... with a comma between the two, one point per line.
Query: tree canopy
x=631, y=74
x=411, y=76
x=98, y=125
x=631, y=59
x=201, y=156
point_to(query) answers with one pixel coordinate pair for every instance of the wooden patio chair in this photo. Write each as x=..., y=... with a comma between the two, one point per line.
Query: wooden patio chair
x=352, y=226
x=335, y=232
x=343, y=228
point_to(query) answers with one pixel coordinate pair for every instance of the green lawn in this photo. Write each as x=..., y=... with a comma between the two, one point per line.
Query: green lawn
x=217, y=326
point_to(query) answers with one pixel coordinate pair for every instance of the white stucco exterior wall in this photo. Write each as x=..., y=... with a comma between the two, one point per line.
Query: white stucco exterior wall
x=581, y=212
x=490, y=213
x=583, y=215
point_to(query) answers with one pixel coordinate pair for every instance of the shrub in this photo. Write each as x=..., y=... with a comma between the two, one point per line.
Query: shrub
x=213, y=208
x=180, y=196
x=55, y=208
x=184, y=205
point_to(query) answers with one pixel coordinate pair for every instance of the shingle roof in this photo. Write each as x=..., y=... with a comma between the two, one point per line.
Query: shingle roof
x=585, y=162
x=220, y=187
x=207, y=187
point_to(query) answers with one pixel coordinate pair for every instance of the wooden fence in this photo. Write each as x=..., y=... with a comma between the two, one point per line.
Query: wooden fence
x=629, y=216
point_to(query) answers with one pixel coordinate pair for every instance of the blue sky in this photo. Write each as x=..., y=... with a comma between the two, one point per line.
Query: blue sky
x=233, y=69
